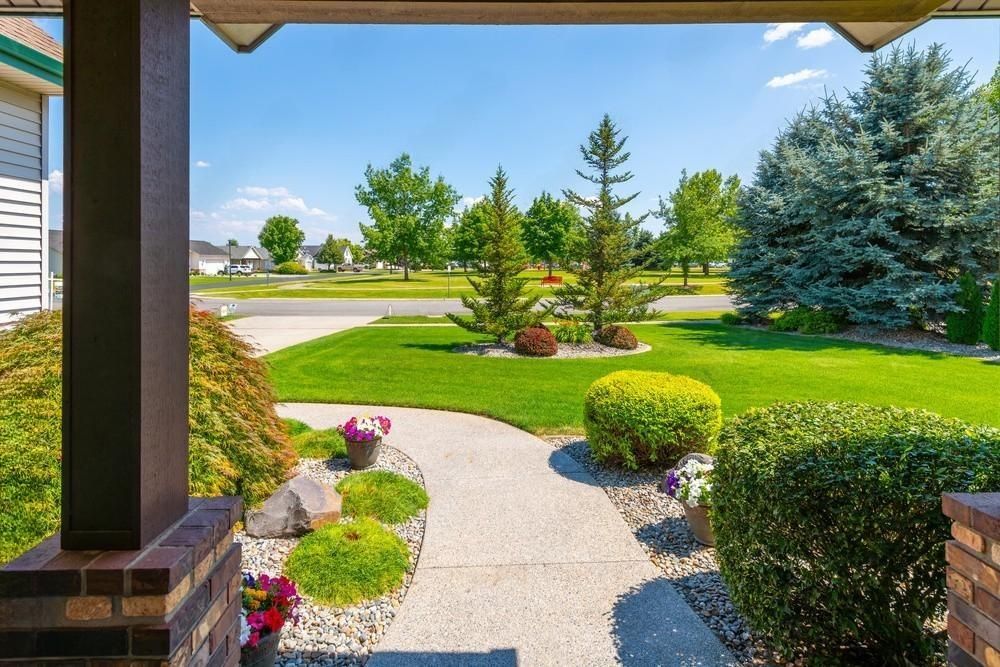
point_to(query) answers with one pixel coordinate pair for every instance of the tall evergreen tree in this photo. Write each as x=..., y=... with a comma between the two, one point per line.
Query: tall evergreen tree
x=606, y=290
x=504, y=305
x=873, y=205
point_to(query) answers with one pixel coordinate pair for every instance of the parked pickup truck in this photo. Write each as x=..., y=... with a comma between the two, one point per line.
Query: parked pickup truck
x=237, y=270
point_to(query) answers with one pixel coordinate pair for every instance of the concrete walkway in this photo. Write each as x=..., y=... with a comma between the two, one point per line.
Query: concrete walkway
x=271, y=333
x=525, y=561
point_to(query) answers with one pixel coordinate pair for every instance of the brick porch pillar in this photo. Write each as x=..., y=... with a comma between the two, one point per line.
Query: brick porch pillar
x=138, y=575
x=973, y=579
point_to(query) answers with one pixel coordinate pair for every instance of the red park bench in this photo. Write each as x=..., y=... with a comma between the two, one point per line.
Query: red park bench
x=552, y=280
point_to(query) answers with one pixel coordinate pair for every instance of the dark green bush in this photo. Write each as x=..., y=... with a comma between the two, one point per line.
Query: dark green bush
x=991, y=321
x=291, y=269
x=636, y=418
x=238, y=446
x=536, y=342
x=808, y=321
x=614, y=335
x=828, y=523
x=966, y=326
x=731, y=319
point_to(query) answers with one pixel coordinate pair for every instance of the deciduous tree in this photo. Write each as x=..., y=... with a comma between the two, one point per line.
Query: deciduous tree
x=548, y=227
x=469, y=235
x=408, y=210
x=281, y=237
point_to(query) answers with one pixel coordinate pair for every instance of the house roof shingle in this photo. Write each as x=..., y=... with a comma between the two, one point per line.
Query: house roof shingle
x=206, y=249
x=27, y=32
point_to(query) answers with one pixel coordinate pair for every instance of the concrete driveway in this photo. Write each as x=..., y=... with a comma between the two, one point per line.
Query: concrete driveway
x=271, y=333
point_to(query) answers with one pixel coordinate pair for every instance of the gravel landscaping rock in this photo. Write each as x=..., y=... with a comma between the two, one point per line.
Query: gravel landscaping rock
x=565, y=351
x=657, y=521
x=327, y=636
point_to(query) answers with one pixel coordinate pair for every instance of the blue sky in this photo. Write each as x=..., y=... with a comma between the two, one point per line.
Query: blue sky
x=290, y=128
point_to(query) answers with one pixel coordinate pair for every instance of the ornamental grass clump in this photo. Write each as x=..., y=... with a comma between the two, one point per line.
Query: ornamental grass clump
x=639, y=418
x=828, y=524
x=327, y=443
x=344, y=563
x=382, y=495
x=238, y=445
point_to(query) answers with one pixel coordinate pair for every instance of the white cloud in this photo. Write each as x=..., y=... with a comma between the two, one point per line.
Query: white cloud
x=245, y=204
x=298, y=204
x=257, y=191
x=469, y=202
x=202, y=164
x=778, y=31
x=796, y=77
x=56, y=180
x=815, y=39
x=198, y=215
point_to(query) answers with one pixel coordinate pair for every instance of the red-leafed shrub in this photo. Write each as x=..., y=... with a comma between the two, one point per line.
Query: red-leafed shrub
x=536, y=342
x=616, y=336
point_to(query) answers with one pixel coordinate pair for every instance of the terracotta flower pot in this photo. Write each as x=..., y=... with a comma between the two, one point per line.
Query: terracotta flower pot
x=697, y=518
x=264, y=654
x=363, y=454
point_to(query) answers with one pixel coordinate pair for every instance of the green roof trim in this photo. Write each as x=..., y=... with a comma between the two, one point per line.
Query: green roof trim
x=27, y=59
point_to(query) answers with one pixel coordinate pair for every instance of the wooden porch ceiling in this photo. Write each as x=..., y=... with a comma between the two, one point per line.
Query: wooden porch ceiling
x=868, y=24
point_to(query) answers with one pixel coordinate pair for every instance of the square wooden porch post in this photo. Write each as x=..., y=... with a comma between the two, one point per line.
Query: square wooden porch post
x=125, y=354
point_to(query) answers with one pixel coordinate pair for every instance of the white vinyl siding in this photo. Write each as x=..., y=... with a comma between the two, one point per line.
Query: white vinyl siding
x=23, y=209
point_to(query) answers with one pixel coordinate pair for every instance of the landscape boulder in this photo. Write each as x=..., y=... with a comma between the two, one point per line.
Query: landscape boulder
x=299, y=506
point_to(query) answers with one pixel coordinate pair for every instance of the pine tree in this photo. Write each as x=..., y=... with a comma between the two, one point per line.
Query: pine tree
x=991, y=321
x=966, y=325
x=504, y=306
x=605, y=291
x=871, y=206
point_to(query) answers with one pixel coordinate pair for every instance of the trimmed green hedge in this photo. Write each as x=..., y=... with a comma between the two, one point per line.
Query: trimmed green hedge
x=808, y=321
x=238, y=446
x=828, y=523
x=291, y=269
x=636, y=418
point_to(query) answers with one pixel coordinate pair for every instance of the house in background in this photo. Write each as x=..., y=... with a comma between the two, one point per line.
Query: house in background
x=56, y=252
x=258, y=258
x=31, y=70
x=307, y=257
x=206, y=259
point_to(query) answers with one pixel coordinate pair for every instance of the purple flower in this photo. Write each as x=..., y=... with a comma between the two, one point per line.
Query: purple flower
x=671, y=484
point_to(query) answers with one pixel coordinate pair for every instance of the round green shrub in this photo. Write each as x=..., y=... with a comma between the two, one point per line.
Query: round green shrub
x=383, y=495
x=291, y=269
x=344, y=563
x=536, y=342
x=238, y=445
x=635, y=418
x=807, y=320
x=614, y=335
x=828, y=523
x=323, y=444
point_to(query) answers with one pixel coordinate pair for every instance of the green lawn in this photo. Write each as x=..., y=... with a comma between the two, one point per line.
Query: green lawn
x=673, y=316
x=426, y=285
x=414, y=366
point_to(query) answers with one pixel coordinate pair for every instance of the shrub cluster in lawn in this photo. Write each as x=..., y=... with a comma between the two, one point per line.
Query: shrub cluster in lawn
x=732, y=319
x=291, y=269
x=322, y=444
x=568, y=331
x=617, y=336
x=344, y=563
x=828, y=523
x=383, y=495
x=635, y=418
x=808, y=321
x=536, y=342
x=991, y=319
x=238, y=446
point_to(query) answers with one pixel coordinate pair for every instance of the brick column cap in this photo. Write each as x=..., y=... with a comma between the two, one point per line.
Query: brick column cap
x=979, y=511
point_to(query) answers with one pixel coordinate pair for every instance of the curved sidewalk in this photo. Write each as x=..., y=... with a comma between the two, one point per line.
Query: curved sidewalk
x=525, y=561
